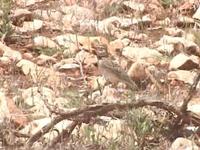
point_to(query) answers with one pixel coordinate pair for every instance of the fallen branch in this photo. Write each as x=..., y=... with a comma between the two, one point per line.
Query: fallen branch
x=64, y=135
x=190, y=94
x=84, y=115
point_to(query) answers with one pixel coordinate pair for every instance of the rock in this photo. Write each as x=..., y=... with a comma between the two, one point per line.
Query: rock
x=9, y=110
x=184, y=62
x=63, y=62
x=24, y=3
x=176, y=32
x=86, y=58
x=115, y=47
x=27, y=67
x=28, y=56
x=49, y=15
x=196, y=15
x=37, y=125
x=71, y=51
x=109, y=129
x=34, y=97
x=5, y=61
x=137, y=71
x=76, y=12
x=166, y=49
x=194, y=104
x=136, y=53
x=97, y=82
x=13, y=55
x=69, y=67
x=110, y=95
x=4, y=110
x=45, y=42
x=44, y=59
x=139, y=7
x=30, y=26
x=128, y=22
x=182, y=75
x=184, y=21
x=21, y=15
x=183, y=144
x=173, y=40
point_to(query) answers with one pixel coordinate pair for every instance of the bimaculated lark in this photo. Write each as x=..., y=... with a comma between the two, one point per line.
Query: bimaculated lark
x=110, y=69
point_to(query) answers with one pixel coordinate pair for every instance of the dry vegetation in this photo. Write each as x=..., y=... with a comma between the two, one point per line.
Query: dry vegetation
x=53, y=97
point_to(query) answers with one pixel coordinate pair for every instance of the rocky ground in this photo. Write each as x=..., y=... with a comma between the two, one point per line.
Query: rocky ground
x=52, y=95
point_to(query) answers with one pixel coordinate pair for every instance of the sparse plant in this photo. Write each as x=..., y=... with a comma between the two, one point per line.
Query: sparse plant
x=5, y=22
x=47, y=51
x=167, y=3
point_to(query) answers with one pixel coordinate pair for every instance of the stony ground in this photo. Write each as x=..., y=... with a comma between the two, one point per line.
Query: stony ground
x=52, y=95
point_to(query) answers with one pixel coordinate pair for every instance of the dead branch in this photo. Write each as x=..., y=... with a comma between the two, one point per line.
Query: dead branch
x=64, y=135
x=190, y=94
x=154, y=81
x=85, y=114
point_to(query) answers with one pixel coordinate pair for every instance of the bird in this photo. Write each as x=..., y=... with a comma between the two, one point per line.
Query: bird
x=110, y=69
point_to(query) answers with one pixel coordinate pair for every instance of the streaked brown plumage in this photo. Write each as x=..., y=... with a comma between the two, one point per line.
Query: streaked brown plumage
x=112, y=70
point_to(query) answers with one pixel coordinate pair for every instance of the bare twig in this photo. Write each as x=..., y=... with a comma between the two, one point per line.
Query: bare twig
x=190, y=94
x=154, y=81
x=44, y=130
x=84, y=115
x=64, y=135
x=81, y=70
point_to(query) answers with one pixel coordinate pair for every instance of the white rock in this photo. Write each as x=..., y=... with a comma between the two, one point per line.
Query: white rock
x=37, y=125
x=135, y=6
x=4, y=110
x=137, y=53
x=182, y=75
x=166, y=48
x=30, y=26
x=5, y=60
x=86, y=57
x=183, y=144
x=49, y=15
x=42, y=41
x=11, y=54
x=184, y=62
